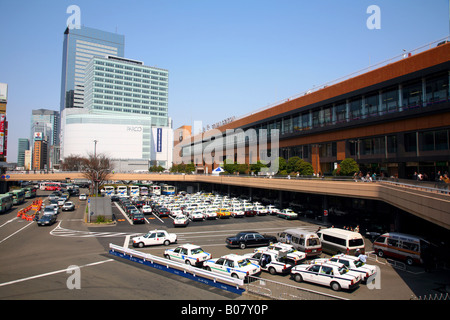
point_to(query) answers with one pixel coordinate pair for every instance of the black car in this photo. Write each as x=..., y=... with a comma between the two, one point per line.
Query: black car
x=248, y=239
x=162, y=211
x=47, y=220
x=137, y=217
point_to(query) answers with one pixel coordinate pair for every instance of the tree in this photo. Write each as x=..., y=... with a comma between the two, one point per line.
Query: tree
x=305, y=168
x=96, y=169
x=347, y=167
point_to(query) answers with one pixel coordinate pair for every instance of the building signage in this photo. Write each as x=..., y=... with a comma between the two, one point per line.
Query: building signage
x=38, y=136
x=159, y=140
x=134, y=128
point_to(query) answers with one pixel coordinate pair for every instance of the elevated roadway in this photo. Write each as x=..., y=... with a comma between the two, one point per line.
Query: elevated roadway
x=431, y=205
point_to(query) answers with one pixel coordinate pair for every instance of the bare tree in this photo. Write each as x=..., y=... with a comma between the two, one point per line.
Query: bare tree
x=97, y=169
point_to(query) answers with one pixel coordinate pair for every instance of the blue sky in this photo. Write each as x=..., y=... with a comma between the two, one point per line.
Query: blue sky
x=225, y=58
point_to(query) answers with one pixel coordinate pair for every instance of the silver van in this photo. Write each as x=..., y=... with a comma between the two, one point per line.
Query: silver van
x=303, y=240
x=335, y=240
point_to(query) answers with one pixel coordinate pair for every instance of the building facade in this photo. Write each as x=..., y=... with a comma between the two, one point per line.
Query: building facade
x=394, y=120
x=47, y=122
x=24, y=145
x=122, y=86
x=79, y=46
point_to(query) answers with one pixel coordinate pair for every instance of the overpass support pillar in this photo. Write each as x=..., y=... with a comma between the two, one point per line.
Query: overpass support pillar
x=280, y=199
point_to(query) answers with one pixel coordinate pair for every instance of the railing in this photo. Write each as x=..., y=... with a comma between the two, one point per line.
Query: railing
x=282, y=291
x=214, y=279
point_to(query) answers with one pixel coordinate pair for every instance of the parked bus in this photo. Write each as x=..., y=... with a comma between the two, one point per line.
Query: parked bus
x=6, y=202
x=122, y=190
x=167, y=190
x=18, y=196
x=30, y=192
x=134, y=191
x=401, y=246
x=155, y=190
x=109, y=190
x=143, y=191
x=52, y=186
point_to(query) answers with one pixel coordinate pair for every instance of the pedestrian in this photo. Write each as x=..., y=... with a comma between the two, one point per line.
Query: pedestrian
x=357, y=228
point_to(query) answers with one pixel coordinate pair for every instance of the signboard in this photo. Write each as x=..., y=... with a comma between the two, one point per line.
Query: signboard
x=3, y=92
x=159, y=140
x=38, y=136
x=2, y=132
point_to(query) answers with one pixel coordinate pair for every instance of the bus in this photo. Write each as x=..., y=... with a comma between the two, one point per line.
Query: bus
x=109, y=190
x=18, y=196
x=134, y=191
x=143, y=191
x=167, y=189
x=51, y=186
x=155, y=190
x=122, y=190
x=30, y=192
x=6, y=202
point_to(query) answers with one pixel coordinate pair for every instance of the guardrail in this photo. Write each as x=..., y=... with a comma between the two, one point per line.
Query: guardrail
x=207, y=277
x=282, y=291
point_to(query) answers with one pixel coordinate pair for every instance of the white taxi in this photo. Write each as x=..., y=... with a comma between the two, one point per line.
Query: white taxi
x=287, y=214
x=354, y=264
x=331, y=274
x=155, y=237
x=234, y=265
x=189, y=254
x=269, y=261
x=289, y=250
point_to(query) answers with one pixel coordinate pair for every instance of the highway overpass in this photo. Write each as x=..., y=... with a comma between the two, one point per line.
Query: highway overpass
x=427, y=203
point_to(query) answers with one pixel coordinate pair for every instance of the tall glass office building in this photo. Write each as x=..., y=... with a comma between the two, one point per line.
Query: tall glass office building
x=122, y=86
x=80, y=45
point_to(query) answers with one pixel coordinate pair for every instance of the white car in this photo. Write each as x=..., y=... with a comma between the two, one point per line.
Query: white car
x=234, y=265
x=237, y=213
x=210, y=214
x=287, y=214
x=180, y=221
x=331, y=274
x=155, y=237
x=196, y=215
x=284, y=249
x=272, y=210
x=354, y=264
x=269, y=261
x=146, y=209
x=82, y=196
x=189, y=254
x=61, y=201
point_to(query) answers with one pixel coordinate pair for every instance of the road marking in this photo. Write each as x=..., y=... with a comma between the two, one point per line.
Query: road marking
x=9, y=221
x=51, y=273
x=29, y=224
x=63, y=232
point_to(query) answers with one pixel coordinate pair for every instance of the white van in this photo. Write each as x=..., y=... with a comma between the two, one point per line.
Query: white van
x=335, y=240
x=401, y=246
x=302, y=240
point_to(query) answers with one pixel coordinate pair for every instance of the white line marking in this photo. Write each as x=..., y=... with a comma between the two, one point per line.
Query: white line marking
x=17, y=232
x=51, y=273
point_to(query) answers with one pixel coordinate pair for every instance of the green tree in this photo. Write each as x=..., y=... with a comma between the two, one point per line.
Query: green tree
x=305, y=168
x=347, y=167
x=256, y=167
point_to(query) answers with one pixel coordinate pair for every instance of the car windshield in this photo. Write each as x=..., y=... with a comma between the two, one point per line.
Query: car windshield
x=342, y=270
x=197, y=251
x=359, y=263
x=244, y=262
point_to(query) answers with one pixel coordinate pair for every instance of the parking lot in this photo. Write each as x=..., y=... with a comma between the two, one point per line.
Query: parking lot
x=71, y=241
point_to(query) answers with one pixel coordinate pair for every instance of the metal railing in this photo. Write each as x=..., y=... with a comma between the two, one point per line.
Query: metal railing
x=281, y=291
x=178, y=268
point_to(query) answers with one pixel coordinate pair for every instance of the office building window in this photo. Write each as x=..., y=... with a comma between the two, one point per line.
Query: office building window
x=372, y=102
x=355, y=109
x=389, y=100
x=341, y=113
x=392, y=144
x=410, y=141
x=412, y=95
x=437, y=89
